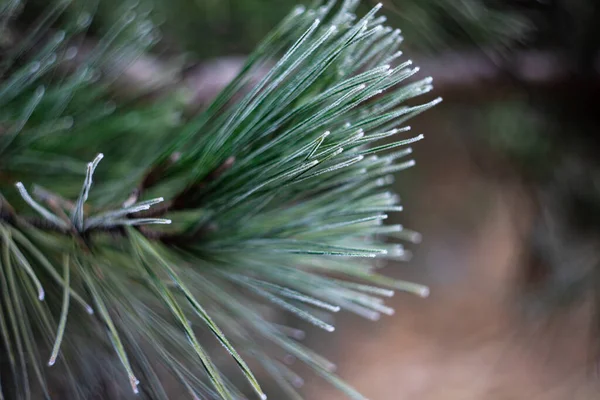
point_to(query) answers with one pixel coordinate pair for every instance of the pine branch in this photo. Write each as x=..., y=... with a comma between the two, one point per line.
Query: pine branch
x=276, y=193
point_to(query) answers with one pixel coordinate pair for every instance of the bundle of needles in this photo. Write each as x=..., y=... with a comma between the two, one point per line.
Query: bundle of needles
x=118, y=277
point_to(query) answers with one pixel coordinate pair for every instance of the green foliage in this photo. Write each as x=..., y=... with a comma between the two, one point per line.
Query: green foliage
x=435, y=24
x=210, y=28
x=234, y=26
x=274, y=196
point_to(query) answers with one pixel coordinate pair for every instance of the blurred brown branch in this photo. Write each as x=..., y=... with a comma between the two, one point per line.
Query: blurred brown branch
x=473, y=72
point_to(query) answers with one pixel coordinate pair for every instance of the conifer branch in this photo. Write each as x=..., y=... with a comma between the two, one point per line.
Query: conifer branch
x=277, y=193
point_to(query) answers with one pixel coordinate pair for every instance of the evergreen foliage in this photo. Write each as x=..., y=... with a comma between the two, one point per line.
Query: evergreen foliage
x=437, y=24
x=273, y=197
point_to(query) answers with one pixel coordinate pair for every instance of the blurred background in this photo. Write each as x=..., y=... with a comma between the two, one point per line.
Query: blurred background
x=506, y=193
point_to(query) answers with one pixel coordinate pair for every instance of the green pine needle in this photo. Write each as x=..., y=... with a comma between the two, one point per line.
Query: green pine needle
x=273, y=197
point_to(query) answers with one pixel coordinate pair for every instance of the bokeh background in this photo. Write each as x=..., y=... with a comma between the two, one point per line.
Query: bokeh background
x=506, y=194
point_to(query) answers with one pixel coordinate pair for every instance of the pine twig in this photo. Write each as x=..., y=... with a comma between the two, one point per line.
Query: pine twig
x=190, y=197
